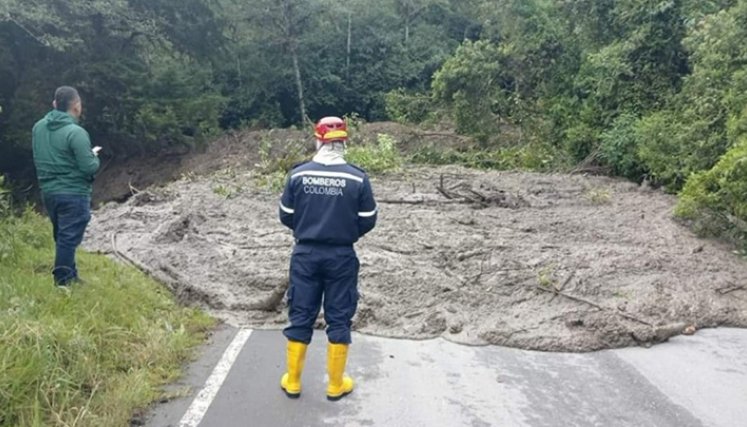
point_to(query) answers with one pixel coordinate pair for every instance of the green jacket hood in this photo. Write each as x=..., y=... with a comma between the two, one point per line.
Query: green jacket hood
x=57, y=119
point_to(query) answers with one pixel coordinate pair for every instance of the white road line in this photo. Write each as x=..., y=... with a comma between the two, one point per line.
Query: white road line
x=202, y=401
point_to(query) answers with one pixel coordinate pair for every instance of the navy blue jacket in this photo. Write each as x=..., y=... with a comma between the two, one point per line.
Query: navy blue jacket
x=332, y=205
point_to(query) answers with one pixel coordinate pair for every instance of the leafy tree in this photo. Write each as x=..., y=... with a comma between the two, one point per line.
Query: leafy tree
x=708, y=115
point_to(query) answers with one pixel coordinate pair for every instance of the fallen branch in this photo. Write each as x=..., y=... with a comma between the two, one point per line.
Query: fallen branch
x=471, y=254
x=447, y=134
x=481, y=198
x=729, y=289
x=134, y=191
x=562, y=285
x=595, y=305
x=395, y=250
x=422, y=202
x=401, y=202
x=441, y=189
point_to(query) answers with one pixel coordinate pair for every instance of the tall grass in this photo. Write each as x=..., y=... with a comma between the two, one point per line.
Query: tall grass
x=90, y=356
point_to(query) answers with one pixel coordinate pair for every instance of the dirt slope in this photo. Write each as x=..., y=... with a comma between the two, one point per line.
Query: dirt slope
x=476, y=261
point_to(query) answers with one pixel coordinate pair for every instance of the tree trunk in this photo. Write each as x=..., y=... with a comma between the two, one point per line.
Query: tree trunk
x=292, y=45
x=299, y=85
x=350, y=44
x=407, y=24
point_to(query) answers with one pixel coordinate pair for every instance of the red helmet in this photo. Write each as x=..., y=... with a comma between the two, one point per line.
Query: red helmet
x=331, y=129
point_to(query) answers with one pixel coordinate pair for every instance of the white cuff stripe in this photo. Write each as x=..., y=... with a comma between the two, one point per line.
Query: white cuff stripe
x=287, y=210
x=328, y=175
x=368, y=214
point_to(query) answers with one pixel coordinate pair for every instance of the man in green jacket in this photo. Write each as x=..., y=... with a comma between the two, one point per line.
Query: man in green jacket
x=65, y=166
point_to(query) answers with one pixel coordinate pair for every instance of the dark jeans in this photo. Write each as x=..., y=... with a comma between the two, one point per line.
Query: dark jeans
x=70, y=215
x=325, y=275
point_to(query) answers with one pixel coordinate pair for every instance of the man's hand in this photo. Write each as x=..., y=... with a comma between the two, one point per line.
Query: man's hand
x=96, y=150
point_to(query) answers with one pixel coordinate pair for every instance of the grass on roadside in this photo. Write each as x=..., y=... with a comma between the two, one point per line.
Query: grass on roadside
x=89, y=357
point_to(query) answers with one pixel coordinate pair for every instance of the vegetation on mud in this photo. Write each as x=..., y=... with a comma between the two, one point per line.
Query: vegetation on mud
x=90, y=356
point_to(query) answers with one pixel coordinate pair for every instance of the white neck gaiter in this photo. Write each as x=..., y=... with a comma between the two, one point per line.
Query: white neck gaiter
x=330, y=154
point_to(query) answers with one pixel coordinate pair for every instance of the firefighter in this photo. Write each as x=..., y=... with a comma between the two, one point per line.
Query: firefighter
x=329, y=205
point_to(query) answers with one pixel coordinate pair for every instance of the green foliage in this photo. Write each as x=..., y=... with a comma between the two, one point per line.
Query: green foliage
x=141, y=67
x=172, y=114
x=157, y=77
x=404, y=107
x=672, y=150
x=226, y=191
x=376, y=158
x=475, y=84
x=276, y=162
x=715, y=199
x=598, y=196
x=537, y=157
x=272, y=181
x=620, y=145
x=91, y=356
x=5, y=199
x=708, y=115
x=581, y=141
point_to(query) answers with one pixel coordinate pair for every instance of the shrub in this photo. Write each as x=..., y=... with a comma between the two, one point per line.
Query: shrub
x=404, y=107
x=275, y=164
x=673, y=148
x=716, y=200
x=581, y=141
x=375, y=158
x=533, y=156
x=619, y=147
x=5, y=202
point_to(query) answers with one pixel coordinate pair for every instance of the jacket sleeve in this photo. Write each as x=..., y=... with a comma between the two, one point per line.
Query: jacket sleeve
x=368, y=211
x=80, y=144
x=287, y=206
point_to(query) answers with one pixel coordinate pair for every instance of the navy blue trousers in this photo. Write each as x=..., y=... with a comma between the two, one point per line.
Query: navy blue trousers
x=70, y=215
x=322, y=275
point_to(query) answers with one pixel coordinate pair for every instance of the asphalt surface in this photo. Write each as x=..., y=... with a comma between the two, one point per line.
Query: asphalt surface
x=690, y=381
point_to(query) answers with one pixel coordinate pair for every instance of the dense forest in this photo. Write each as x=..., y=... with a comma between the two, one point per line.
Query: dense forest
x=652, y=90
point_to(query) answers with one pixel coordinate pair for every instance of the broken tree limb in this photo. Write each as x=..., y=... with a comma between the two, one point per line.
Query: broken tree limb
x=400, y=202
x=446, y=134
x=133, y=191
x=395, y=250
x=470, y=254
x=562, y=285
x=422, y=202
x=441, y=189
x=595, y=305
x=729, y=289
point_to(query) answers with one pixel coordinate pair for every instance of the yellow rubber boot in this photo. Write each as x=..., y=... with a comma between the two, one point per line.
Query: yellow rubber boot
x=291, y=381
x=340, y=385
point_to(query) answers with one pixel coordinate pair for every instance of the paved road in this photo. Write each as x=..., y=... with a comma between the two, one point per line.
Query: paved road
x=690, y=381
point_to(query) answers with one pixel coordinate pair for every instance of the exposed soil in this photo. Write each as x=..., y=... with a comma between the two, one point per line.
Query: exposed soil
x=546, y=262
x=238, y=150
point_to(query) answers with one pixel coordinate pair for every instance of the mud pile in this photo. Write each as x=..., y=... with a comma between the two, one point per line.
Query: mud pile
x=546, y=262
